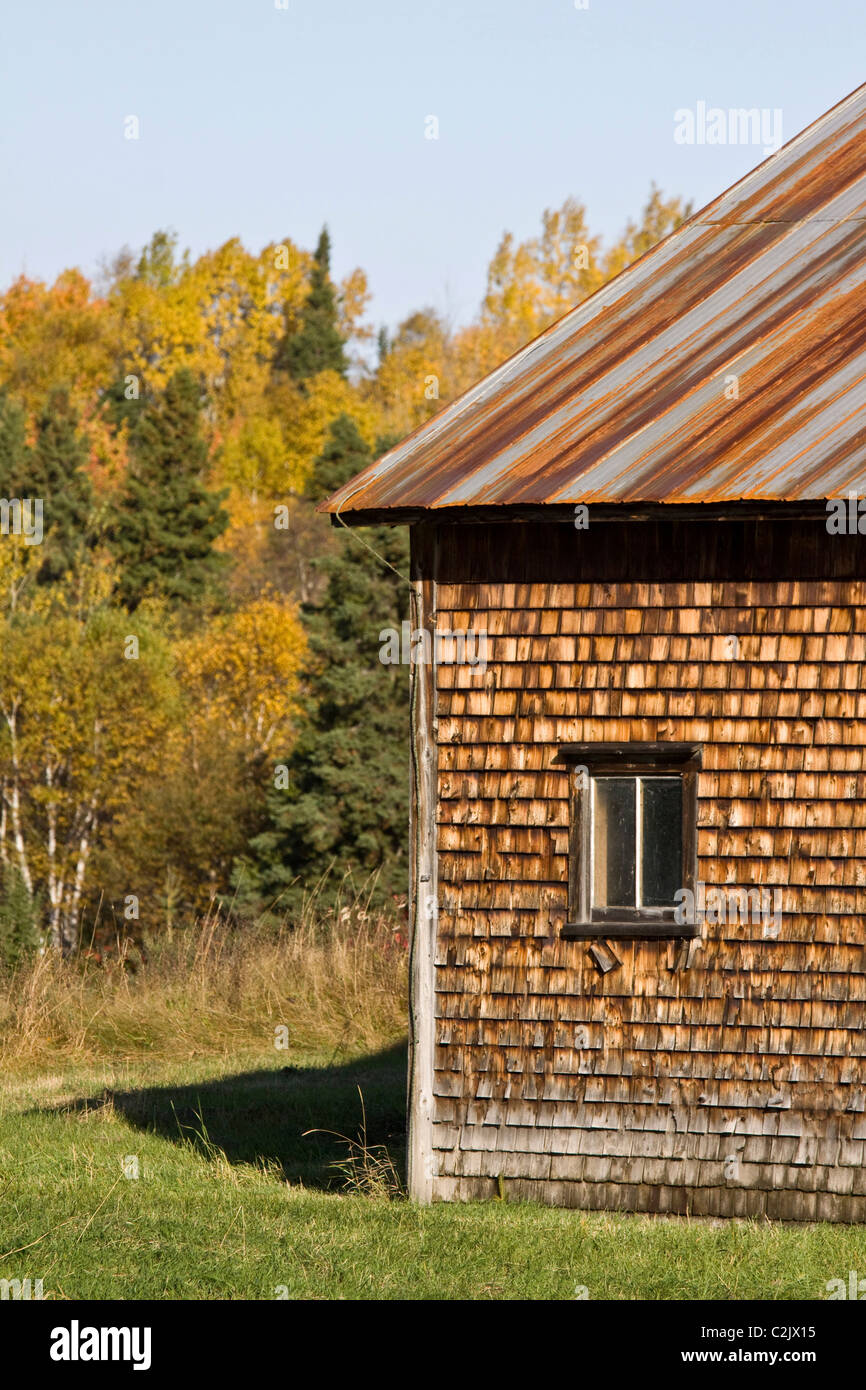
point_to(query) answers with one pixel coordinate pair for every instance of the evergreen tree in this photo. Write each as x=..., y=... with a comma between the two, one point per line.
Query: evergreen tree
x=346, y=805
x=57, y=475
x=165, y=525
x=19, y=918
x=14, y=453
x=318, y=345
x=119, y=408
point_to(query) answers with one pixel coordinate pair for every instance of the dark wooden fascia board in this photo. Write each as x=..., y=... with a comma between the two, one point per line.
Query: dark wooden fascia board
x=812, y=510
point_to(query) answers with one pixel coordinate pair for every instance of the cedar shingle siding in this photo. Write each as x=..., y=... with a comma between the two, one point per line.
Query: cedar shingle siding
x=721, y=1079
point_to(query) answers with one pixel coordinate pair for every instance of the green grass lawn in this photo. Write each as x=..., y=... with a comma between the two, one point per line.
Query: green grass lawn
x=232, y=1201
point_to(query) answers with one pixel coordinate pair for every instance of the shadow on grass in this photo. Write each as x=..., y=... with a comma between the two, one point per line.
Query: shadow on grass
x=262, y=1115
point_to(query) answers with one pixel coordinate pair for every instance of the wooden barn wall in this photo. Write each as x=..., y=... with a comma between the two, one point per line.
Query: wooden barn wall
x=732, y=1085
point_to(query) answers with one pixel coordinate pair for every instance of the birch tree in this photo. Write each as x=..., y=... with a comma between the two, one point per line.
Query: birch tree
x=86, y=697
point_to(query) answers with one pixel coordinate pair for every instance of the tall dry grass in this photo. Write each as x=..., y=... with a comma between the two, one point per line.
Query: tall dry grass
x=334, y=981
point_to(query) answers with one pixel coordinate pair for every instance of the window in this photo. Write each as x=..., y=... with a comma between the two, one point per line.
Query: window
x=633, y=837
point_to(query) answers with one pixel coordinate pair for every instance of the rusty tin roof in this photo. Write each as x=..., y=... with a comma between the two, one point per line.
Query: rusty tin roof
x=624, y=399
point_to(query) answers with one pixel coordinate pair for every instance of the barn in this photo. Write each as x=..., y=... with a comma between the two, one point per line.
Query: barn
x=639, y=794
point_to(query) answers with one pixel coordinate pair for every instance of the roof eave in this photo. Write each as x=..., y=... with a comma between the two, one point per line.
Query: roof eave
x=768, y=509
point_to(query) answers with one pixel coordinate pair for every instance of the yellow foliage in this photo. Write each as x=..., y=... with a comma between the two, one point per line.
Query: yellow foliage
x=415, y=375
x=81, y=726
x=353, y=296
x=222, y=317
x=79, y=593
x=253, y=458
x=305, y=418
x=243, y=671
x=60, y=335
x=55, y=335
x=19, y=565
x=251, y=518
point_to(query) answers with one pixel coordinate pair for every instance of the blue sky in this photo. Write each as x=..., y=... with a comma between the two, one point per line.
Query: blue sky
x=264, y=122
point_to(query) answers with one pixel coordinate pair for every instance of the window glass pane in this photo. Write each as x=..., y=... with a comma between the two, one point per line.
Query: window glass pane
x=614, y=842
x=662, y=840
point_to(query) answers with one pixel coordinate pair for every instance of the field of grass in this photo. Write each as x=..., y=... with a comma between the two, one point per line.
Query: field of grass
x=233, y=1199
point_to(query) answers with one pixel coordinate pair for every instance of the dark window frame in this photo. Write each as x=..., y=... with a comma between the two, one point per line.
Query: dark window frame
x=681, y=760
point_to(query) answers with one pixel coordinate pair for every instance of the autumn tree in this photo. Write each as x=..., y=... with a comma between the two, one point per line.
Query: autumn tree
x=159, y=264
x=55, y=335
x=414, y=369
x=242, y=672
x=237, y=678
x=83, y=715
x=221, y=316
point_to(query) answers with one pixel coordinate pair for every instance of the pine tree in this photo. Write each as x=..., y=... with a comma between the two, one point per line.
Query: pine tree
x=165, y=525
x=345, y=809
x=318, y=345
x=57, y=475
x=19, y=918
x=118, y=408
x=14, y=454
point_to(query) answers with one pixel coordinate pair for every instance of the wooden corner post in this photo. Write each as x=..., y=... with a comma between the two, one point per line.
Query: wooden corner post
x=423, y=887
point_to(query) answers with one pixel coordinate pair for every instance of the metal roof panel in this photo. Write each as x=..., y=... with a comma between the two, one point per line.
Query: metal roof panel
x=623, y=399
